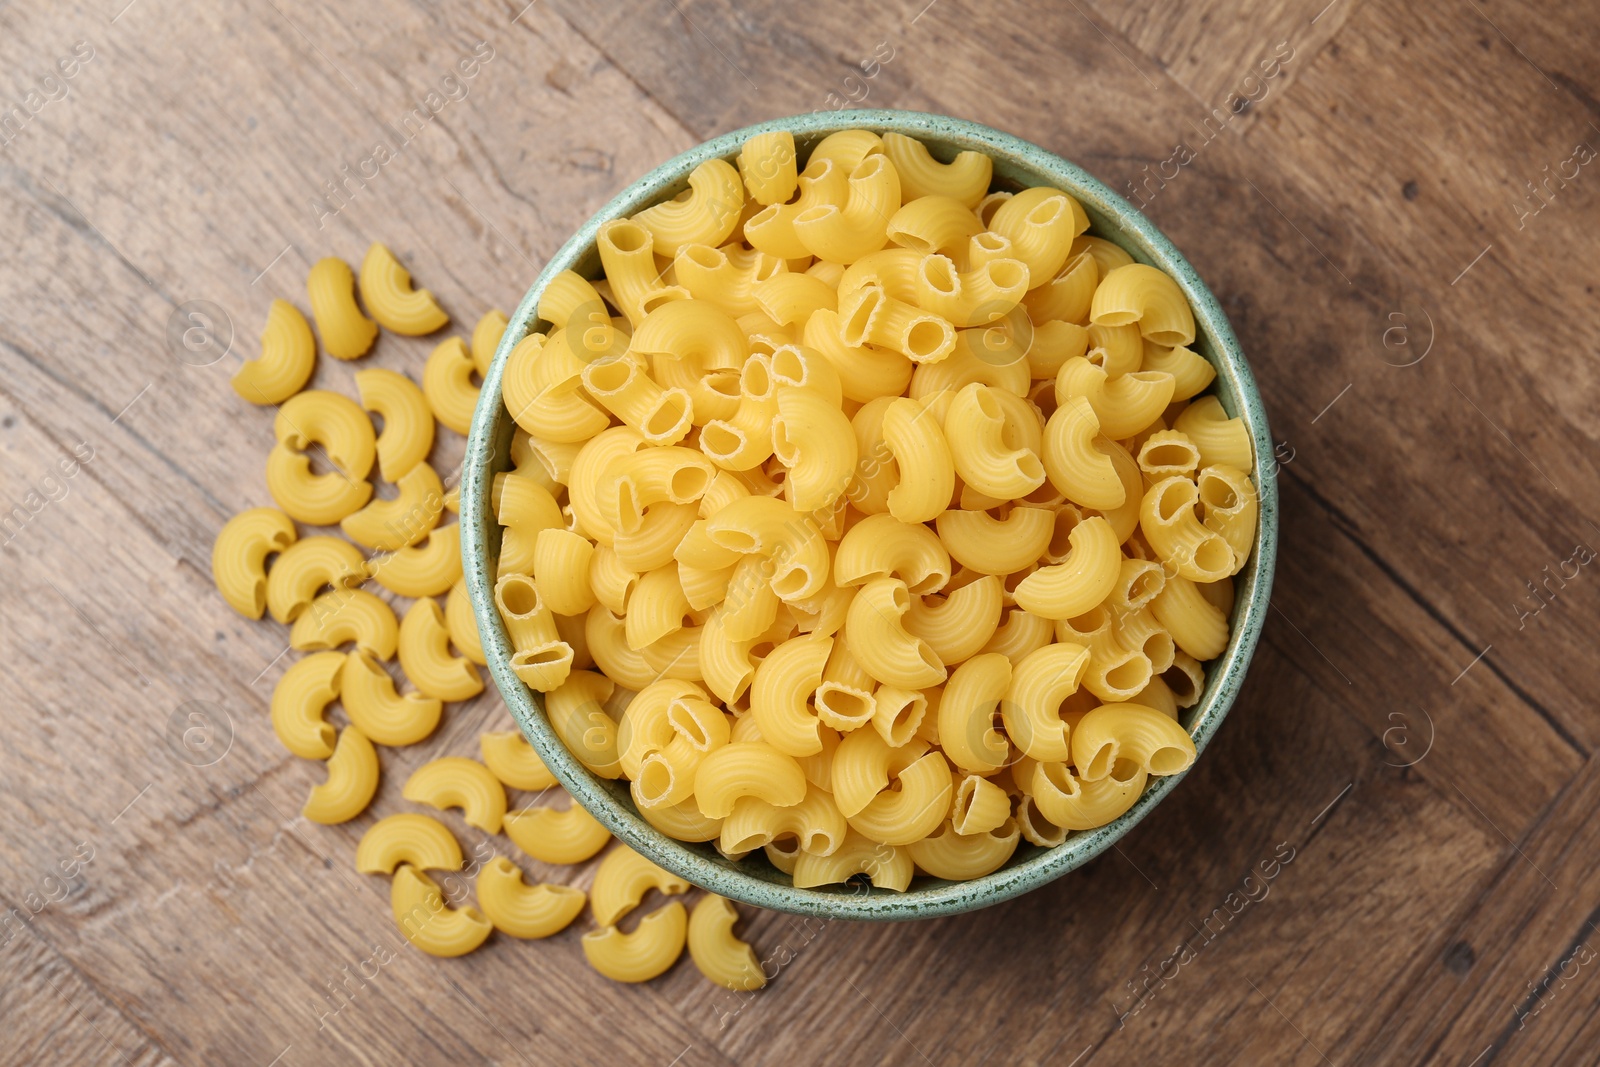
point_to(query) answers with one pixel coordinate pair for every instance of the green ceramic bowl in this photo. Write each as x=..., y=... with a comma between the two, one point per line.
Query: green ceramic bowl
x=1017, y=164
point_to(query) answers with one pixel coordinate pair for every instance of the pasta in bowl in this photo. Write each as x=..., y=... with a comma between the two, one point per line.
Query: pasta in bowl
x=866, y=516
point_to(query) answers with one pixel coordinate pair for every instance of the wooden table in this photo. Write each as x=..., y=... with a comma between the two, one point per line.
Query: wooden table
x=1395, y=204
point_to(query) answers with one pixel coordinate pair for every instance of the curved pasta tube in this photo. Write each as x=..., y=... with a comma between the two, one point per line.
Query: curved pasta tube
x=816, y=823
x=1071, y=803
x=791, y=299
x=746, y=768
x=974, y=298
x=239, y=556
x=1054, y=343
x=887, y=866
x=870, y=316
x=758, y=525
x=897, y=714
x=382, y=713
x=430, y=924
x=669, y=474
x=288, y=356
x=706, y=214
x=511, y=759
x=559, y=411
x=305, y=568
x=557, y=835
x=403, y=520
x=974, y=694
x=625, y=388
x=978, y=806
x=1196, y=625
x=386, y=290
x=1229, y=505
x=1139, y=293
x=877, y=633
x=1167, y=454
x=1107, y=255
x=881, y=546
x=1041, y=224
x=407, y=435
x=561, y=562
x=960, y=623
x=965, y=178
x=644, y=954
x=781, y=691
x=865, y=373
x=346, y=332
x=334, y=422
x=744, y=441
x=1032, y=707
x=1168, y=520
x=486, y=335
x=978, y=540
x=522, y=910
x=458, y=782
x=1019, y=635
x=1191, y=372
x=1116, y=672
x=1112, y=733
x=588, y=492
x=607, y=643
x=351, y=782
x=863, y=765
x=725, y=277
x=894, y=270
x=1123, y=405
x=525, y=508
x=767, y=166
x=1067, y=295
x=299, y=701
x=917, y=442
x=843, y=233
x=431, y=568
x=316, y=499
x=975, y=427
x=578, y=718
x=1083, y=580
x=1220, y=439
x=812, y=438
x=463, y=623
x=961, y=857
x=347, y=615
x=915, y=810
x=542, y=660
x=680, y=821
x=771, y=230
x=447, y=383
x=1075, y=460
x=424, y=649
x=716, y=952
x=932, y=224
x=420, y=840
x=621, y=881
x=1036, y=829
x=653, y=717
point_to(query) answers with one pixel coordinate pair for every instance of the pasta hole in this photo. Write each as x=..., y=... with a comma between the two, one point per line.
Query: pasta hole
x=1145, y=587
x=670, y=414
x=1008, y=273
x=1099, y=765
x=1060, y=546
x=788, y=367
x=1131, y=675
x=1213, y=556
x=689, y=483
x=791, y=581
x=1217, y=494
x=1058, y=775
x=855, y=324
x=1048, y=211
x=815, y=214
x=755, y=380
x=707, y=257
x=1029, y=467
x=847, y=707
x=782, y=447
x=940, y=274
x=928, y=338
x=1168, y=760
x=611, y=375
x=1173, y=497
x=1125, y=771
x=1172, y=456
x=721, y=441
x=1182, y=685
x=723, y=383
x=519, y=596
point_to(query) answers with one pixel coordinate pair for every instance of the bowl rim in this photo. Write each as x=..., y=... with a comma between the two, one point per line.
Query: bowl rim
x=1215, y=339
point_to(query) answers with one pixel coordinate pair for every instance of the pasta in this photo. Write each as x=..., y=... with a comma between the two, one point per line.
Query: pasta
x=447, y=383
x=288, y=356
x=307, y=567
x=419, y=840
x=300, y=700
x=428, y=922
x=346, y=332
x=644, y=954
x=621, y=881
x=351, y=782
x=860, y=516
x=386, y=290
x=407, y=433
x=383, y=714
x=458, y=782
x=424, y=649
x=342, y=615
x=404, y=519
x=718, y=954
x=239, y=557
x=522, y=910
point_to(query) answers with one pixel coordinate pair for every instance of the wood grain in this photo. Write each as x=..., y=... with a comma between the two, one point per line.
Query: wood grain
x=1419, y=737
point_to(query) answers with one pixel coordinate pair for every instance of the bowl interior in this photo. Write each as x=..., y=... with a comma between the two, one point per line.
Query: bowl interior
x=1017, y=164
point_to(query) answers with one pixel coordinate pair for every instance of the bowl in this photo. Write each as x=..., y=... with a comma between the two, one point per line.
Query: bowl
x=1017, y=164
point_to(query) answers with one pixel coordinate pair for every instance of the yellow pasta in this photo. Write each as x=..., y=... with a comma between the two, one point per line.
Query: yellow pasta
x=342, y=615
x=1041, y=224
x=288, y=356
x=239, y=557
x=459, y=618
x=716, y=952
x=351, y=782
x=621, y=881
x=428, y=922
x=511, y=759
x=407, y=435
x=1220, y=439
x=307, y=567
x=486, y=337
x=767, y=166
x=383, y=714
x=522, y=910
x=705, y=214
x=889, y=652
x=746, y=768
x=300, y=700
x=1142, y=294
x=386, y=290
x=317, y=499
x=402, y=520
x=556, y=835
x=964, y=178
x=431, y=568
x=346, y=332
x=1077, y=457
x=447, y=383
x=960, y=857
x=458, y=782
x=887, y=866
x=419, y=840
x=644, y=954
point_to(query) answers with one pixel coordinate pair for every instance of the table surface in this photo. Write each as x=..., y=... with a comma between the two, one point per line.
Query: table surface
x=1391, y=200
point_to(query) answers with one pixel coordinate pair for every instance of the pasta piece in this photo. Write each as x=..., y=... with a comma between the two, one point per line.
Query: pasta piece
x=511, y=759
x=978, y=540
x=447, y=383
x=621, y=881
x=430, y=924
x=1191, y=372
x=1171, y=526
x=459, y=618
x=458, y=782
x=843, y=233
x=424, y=649
x=419, y=840
x=1033, y=702
x=346, y=332
x=1082, y=581
x=386, y=290
x=556, y=835
x=815, y=822
x=317, y=499
x=705, y=215
x=1142, y=294
x=976, y=692
x=403, y=520
x=288, y=356
x=888, y=867
x=746, y=768
x=301, y=699
x=767, y=166
x=644, y=954
x=522, y=910
x=486, y=337
x=1077, y=457
x=1071, y=803
x=342, y=615
x=781, y=690
x=407, y=435
x=915, y=439
x=333, y=422
x=239, y=557
x=1112, y=733
x=306, y=568
x=976, y=429
x=716, y=952
x=812, y=437
x=882, y=644
x=1123, y=405
x=429, y=568
x=1230, y=506
x=351, y=782
x=382, y=713
x=1041, y=224
x=979, y=806
x=1220, y=439
x=965, y=178
x=961, y=857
